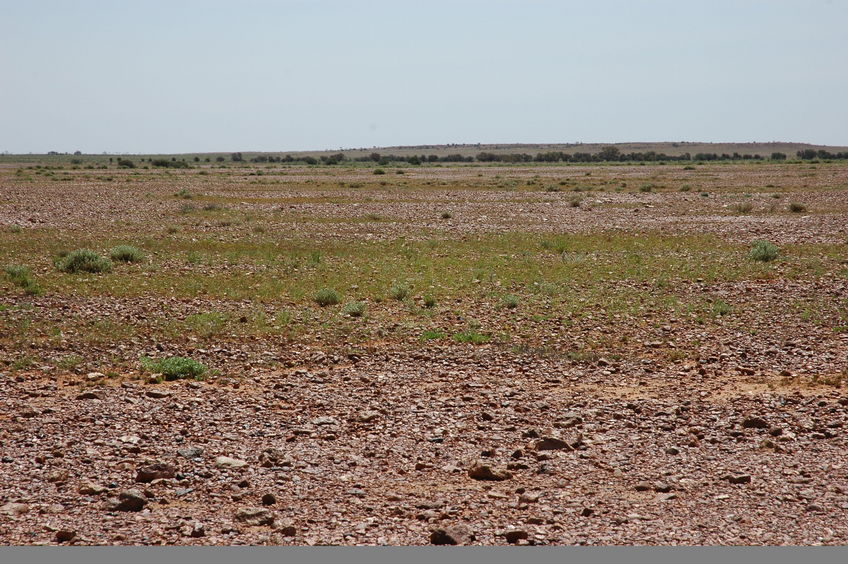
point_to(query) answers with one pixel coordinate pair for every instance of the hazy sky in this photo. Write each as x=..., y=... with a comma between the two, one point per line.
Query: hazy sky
x=182, y=76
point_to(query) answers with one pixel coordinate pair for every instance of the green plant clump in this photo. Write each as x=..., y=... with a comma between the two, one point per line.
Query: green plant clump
x=763, y=251
x=354, y=309
x=326, y=297
x=83, y=260
x=399, y=292
x=126, y=253
x=174, y=367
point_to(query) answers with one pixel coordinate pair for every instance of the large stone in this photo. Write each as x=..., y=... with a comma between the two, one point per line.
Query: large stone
x=255, y=516
x=157, y=471
x=482, y=471
x=227, y=462
x=128, y=500
x=452, y=535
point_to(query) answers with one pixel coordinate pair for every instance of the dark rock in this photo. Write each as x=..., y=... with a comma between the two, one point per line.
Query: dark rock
x=643, y=487
x=738, y=478
x=90, y=395
x=128, y=500
x=454, y=535
x=512, y=536
x=197, y=531
x=65, y=535
x=287, y=528
x=157, y=471
x=755, y=423
x=269, y=499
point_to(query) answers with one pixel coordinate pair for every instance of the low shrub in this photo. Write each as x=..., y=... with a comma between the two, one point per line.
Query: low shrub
x=354, y=309
x=795, y=207
x=83, y=260
x=174, y=367
x=126, y=253
x=399, y=292
x=326, y=297
x=763, y=251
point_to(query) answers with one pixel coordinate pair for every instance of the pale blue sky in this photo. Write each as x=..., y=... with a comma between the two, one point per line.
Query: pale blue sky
x=184, y=76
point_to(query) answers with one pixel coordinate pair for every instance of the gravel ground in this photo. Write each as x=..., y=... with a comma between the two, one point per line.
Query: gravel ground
x=739, y=441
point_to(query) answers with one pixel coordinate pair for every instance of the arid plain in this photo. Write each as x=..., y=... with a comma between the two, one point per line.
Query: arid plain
x=470, y=354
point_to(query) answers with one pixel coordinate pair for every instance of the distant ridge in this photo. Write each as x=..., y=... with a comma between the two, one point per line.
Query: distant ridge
x=671, y=148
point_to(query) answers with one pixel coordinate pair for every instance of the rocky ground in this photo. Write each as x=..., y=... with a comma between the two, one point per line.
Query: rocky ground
x=726, y=432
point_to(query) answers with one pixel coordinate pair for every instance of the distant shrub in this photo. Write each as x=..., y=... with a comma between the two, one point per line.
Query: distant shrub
x=510, y=301
x=795, y=207
x=446, y=215
x=646, y=188
x=744, y=207
x=379, y=171
x=174, y=367
x=326, y=297
x=171, y=229
x=165, y=163
x=354, y=309
x=552, y=188
x=213, y=207
x=15, y=229
x=688, y=167
x=763, y=251
x=399, y=292
x=125, y=163
x=575, y=202
x=184, y=194
x=685, y=188
x=83, y=260
x=126, y=253
x=429, y=302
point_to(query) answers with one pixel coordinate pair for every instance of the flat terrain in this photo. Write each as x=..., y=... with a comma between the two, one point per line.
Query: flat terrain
x=527, y=354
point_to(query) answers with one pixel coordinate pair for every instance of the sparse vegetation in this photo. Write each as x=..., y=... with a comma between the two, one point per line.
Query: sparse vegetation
x=399, y=292
x=22, y=277
x=795, y=207
x=83, y=260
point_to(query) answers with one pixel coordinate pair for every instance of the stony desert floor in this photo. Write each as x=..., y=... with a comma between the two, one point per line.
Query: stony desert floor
x=527, y=354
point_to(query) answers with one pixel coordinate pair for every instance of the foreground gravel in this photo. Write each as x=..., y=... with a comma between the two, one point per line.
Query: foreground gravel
x=391, y=449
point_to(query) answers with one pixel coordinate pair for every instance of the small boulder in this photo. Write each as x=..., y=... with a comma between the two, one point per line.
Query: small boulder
x=228, y=462
x=157, y=471
x=452, y=535
x=482, y=471
x=255, y=516
x=128, y=500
